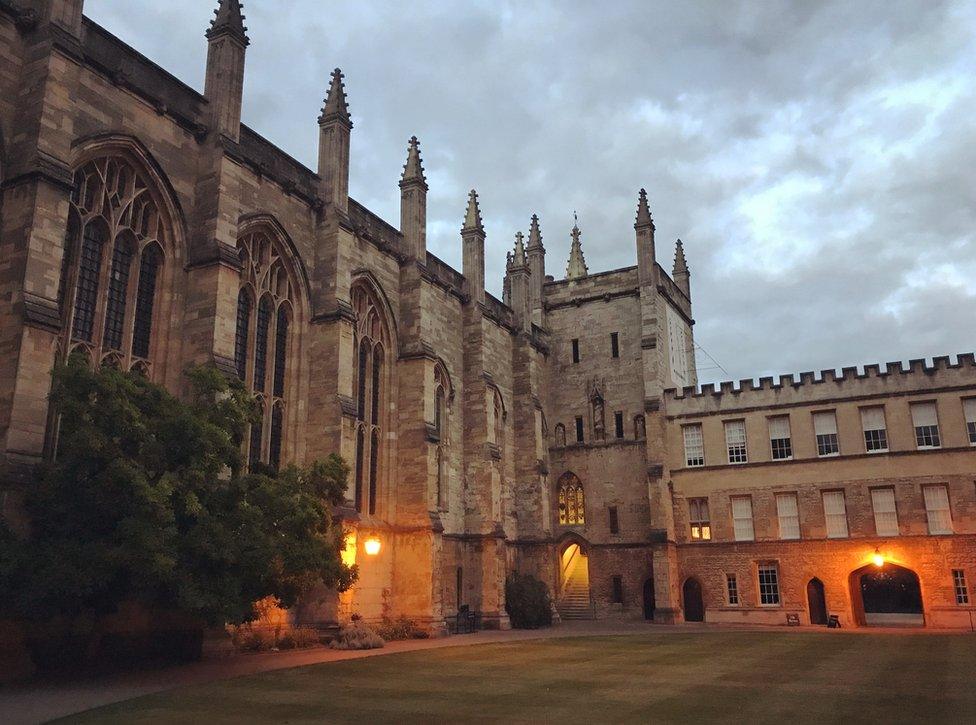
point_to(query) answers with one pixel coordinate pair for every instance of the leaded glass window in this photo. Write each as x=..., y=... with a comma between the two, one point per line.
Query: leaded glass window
x=145, y=301
x=572, y=510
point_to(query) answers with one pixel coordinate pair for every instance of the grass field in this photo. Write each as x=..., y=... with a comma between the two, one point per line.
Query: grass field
x=701, y=677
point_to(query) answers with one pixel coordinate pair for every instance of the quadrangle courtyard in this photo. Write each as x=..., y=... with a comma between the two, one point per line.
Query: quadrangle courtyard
x=717, y=676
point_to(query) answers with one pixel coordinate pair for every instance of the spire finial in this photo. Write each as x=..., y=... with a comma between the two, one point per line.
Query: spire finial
x=413, y=170
x=576, y=267
x=336, y=107
x=472, y=215
x=680, y=264
x=518, y=256
x=535, y=234
x=644, y=219
x=228, y=20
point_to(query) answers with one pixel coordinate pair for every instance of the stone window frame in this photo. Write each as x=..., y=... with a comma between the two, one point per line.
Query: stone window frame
x=781, y=446
x=732, y=597
x=829, y=493
x=872, y=490
x=926, y=428
x=768, y=584
x=116, y=190
x=699, y=517
x=929, y=493
x=875, y=439
x=786, y=495
x=693, y=446
x=960, y=587
x=737, y=451
x=571, y=500
x=735, y=519
x=828, y=442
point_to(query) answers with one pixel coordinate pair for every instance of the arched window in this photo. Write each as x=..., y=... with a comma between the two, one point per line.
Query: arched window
x=499, y=413
x=560, y=435
x=441, y=385
x=263, y=340
x=112, y=260
x=372, y=343
x=571, y=504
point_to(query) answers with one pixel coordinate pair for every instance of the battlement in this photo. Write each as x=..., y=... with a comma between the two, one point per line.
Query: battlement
x=810, y=387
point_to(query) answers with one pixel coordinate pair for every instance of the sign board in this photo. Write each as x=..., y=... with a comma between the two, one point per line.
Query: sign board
x=793, y=619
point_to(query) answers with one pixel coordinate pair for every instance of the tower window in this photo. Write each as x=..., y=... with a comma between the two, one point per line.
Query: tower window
x=614, y=344
x=618, y=422
x=618, y=590
x=614, y=520
x=576, y=355
x=579, y=429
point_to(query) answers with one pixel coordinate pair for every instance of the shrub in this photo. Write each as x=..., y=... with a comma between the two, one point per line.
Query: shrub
x=356, y=635
x=527, y=602
x=401, y=628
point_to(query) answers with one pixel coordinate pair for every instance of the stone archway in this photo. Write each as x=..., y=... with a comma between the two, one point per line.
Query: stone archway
x=574, y=600
x=887, y=595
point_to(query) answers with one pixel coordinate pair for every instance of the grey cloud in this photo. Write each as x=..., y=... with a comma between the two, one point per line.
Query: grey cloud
x=816, y=158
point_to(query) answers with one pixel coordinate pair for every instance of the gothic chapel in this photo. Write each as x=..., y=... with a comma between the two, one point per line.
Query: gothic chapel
x=557, y=431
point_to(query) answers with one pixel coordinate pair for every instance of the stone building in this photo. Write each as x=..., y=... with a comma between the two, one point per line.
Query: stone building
x=144, y=226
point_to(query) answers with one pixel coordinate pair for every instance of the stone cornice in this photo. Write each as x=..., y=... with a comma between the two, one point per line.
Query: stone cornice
x=43, y=168
x=342, y=311
x=41, y=313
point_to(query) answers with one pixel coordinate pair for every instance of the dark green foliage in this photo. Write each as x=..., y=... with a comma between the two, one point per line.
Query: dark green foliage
x=146, y=502
x=527, y=602
x=401, y=628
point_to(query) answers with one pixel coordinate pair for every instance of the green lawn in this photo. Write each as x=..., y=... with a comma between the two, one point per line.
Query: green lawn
x=700, y=677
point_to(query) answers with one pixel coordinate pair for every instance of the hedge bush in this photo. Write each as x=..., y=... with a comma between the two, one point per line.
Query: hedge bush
x=527, y=602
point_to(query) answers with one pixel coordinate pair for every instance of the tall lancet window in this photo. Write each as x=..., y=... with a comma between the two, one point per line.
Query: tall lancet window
x=112, y=264
x=263, y=342
x=441, y=433
x=372, y=395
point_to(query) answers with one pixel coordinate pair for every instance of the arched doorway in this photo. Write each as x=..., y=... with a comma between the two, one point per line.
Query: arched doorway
x=649, y=599
x=692, y=596
x=888, y=595
x=574, y=580
x=816, y=601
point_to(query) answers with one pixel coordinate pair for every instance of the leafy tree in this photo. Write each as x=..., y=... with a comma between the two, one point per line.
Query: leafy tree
x=147, y=501
x=527, y=602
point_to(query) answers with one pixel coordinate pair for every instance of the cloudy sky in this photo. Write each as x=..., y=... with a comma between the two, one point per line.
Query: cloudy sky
x=817, y=159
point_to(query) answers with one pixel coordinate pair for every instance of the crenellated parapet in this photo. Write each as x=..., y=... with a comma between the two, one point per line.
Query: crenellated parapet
x=893, y=378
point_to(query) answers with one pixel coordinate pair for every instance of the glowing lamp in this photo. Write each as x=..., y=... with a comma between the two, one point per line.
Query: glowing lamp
x=372, y=546
x=877, y=559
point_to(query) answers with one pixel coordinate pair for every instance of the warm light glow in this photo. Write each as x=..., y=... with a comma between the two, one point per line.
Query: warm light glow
x=877, y=559
x=372, y=546
x=349, y=550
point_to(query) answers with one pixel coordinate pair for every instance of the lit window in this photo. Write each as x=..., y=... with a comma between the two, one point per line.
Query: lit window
x=742, y=518
x=789, y=516
x=571, y=504
x=959, y=584
x=779, y=438
x=835, y=512
x=969, y=407
x=701, y=529
x=732, y=586
x=926, y=422
x=875, y=432
x=768, y=584
x=937, y=509
x=735, y=440
x=885, y=513
x=825, y=427
x=694, y=445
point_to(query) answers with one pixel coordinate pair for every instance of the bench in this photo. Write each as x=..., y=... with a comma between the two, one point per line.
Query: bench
x=467, y=621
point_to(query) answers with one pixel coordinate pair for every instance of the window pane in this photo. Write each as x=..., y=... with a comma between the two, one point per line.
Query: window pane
x=694, y=445
x=118, y=287
x=281, y=352
x=835, y=511
x=241, y=333
x=789, y=516
x=274, y=453
x=885, y=513
x=825, y=423
x=768, y=584
x=937, y=508
x=261, y=344
x=145, y=300
x=735, y=440
x=742, y=518
x=86, y=294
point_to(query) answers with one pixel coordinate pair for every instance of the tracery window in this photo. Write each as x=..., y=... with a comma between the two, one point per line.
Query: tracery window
x=371, y=348
x=571, y=503
x=112, y=260
x=262, y=341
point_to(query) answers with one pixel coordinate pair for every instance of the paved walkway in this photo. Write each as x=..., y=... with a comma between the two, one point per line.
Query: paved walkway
x=41, y=702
